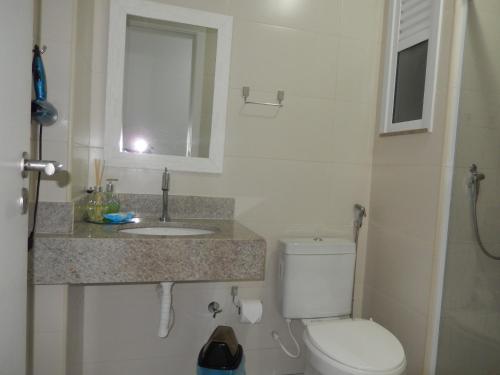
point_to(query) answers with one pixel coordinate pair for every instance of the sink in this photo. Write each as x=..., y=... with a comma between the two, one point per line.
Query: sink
x=167, y=231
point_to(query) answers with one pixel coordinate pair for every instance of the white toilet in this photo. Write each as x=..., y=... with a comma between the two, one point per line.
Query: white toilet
x=316, y=282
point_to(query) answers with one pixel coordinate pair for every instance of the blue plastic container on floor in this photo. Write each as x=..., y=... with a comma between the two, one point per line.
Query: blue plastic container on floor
x=221, y=355
x=239, y=371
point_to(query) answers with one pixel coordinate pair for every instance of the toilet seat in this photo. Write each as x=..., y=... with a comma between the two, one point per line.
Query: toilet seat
x=354, y=347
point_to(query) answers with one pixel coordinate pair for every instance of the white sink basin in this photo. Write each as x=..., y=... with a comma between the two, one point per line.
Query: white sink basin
x=167, y=231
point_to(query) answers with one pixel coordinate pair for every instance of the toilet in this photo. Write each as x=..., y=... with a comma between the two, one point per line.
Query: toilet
x=316, y=281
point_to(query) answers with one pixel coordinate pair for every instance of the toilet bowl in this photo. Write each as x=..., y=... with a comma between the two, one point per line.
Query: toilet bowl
x=352, y=347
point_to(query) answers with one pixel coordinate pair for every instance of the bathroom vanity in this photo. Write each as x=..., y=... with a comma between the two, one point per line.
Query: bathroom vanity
x=85, y=253
x=178, y=122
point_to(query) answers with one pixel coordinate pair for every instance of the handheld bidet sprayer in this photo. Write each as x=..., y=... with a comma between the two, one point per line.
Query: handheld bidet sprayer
x=359, y=215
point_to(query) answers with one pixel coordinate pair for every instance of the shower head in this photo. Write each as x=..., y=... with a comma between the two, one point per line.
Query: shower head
x=42, y=111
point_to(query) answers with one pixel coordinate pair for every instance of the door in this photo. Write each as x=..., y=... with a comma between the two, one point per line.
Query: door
x=16, y=25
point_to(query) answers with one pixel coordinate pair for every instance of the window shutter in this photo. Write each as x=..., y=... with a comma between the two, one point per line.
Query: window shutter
x=415, y=21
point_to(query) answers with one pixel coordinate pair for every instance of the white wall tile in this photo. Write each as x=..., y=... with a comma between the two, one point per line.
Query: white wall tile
x=49, y=308
x=353, y=129
x=301, y=130
x=49, y=353
x=400, y=267
x=219, y=6
x=267, y=58
x=57, y=20
x=357, y=69
x=319, y=16
x=362, y=19
x=406, y=198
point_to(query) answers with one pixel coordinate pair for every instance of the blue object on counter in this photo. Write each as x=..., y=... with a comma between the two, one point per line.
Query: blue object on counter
x=221, y=355
x=119, y=217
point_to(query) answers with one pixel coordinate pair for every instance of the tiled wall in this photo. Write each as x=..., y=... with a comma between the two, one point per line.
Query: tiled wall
x=49, y=330
x=404, y=208
x=296, y=171
x=469, y=335
x=293, y=171
x=82, y=99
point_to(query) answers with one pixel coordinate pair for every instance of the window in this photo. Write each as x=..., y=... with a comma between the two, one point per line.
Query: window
x=410, y=83
x=410, y=66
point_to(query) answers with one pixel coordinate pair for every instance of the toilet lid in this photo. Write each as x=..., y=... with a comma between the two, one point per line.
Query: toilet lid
x=360, y=344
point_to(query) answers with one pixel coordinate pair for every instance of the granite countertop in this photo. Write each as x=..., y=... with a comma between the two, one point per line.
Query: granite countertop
x=101, y=254
x=223, y=229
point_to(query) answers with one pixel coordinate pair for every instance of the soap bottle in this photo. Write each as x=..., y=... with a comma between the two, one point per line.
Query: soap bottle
x=112, y=203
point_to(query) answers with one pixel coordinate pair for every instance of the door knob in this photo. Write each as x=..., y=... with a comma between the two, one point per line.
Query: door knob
x=48, y=167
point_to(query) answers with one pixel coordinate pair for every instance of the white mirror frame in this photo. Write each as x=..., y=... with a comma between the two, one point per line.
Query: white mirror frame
x=119, y=9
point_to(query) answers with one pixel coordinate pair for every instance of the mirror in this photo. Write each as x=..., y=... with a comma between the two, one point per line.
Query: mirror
x=168, y=87
x=168, y=73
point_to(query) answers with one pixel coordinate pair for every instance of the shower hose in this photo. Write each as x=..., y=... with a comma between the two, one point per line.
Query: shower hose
x=474, y=196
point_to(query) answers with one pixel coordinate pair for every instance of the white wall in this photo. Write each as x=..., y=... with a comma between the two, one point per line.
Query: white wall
x=293, y=171
x=403, y=237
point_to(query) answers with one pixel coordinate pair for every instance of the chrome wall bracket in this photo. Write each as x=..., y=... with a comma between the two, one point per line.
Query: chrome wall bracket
x=280, y=96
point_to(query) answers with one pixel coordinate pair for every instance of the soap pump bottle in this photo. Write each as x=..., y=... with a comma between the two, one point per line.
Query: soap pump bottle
x=112, y=202
x=96, y=205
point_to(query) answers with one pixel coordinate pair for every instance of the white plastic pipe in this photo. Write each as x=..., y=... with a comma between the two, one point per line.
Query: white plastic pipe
x=165, y=309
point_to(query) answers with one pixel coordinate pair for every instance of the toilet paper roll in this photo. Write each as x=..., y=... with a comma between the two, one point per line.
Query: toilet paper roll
x=250, y=311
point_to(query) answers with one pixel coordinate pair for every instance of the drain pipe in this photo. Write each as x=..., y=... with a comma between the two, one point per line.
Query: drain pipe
x=166, y=309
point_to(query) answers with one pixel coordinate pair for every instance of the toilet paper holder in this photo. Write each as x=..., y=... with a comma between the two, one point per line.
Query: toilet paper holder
x=249, y=310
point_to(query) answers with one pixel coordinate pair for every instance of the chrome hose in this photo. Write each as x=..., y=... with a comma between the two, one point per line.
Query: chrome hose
x=474, y=185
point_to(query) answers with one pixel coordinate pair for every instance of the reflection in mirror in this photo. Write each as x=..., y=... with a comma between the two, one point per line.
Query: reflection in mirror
x=168, y=88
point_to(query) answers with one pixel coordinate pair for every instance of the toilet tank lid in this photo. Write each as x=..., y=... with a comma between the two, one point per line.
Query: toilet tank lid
x=317, y=246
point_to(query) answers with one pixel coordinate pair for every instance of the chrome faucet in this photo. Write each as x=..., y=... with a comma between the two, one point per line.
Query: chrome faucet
x=165, y=186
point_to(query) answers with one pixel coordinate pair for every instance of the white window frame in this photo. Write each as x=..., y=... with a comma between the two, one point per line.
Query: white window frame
x=119, y=9
x=393, y=47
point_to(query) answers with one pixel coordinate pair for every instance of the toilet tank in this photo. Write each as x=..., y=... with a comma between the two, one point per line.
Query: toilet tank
x=316, y=277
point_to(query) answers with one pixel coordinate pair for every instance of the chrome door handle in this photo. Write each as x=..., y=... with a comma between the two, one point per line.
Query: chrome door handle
x=48, y=167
